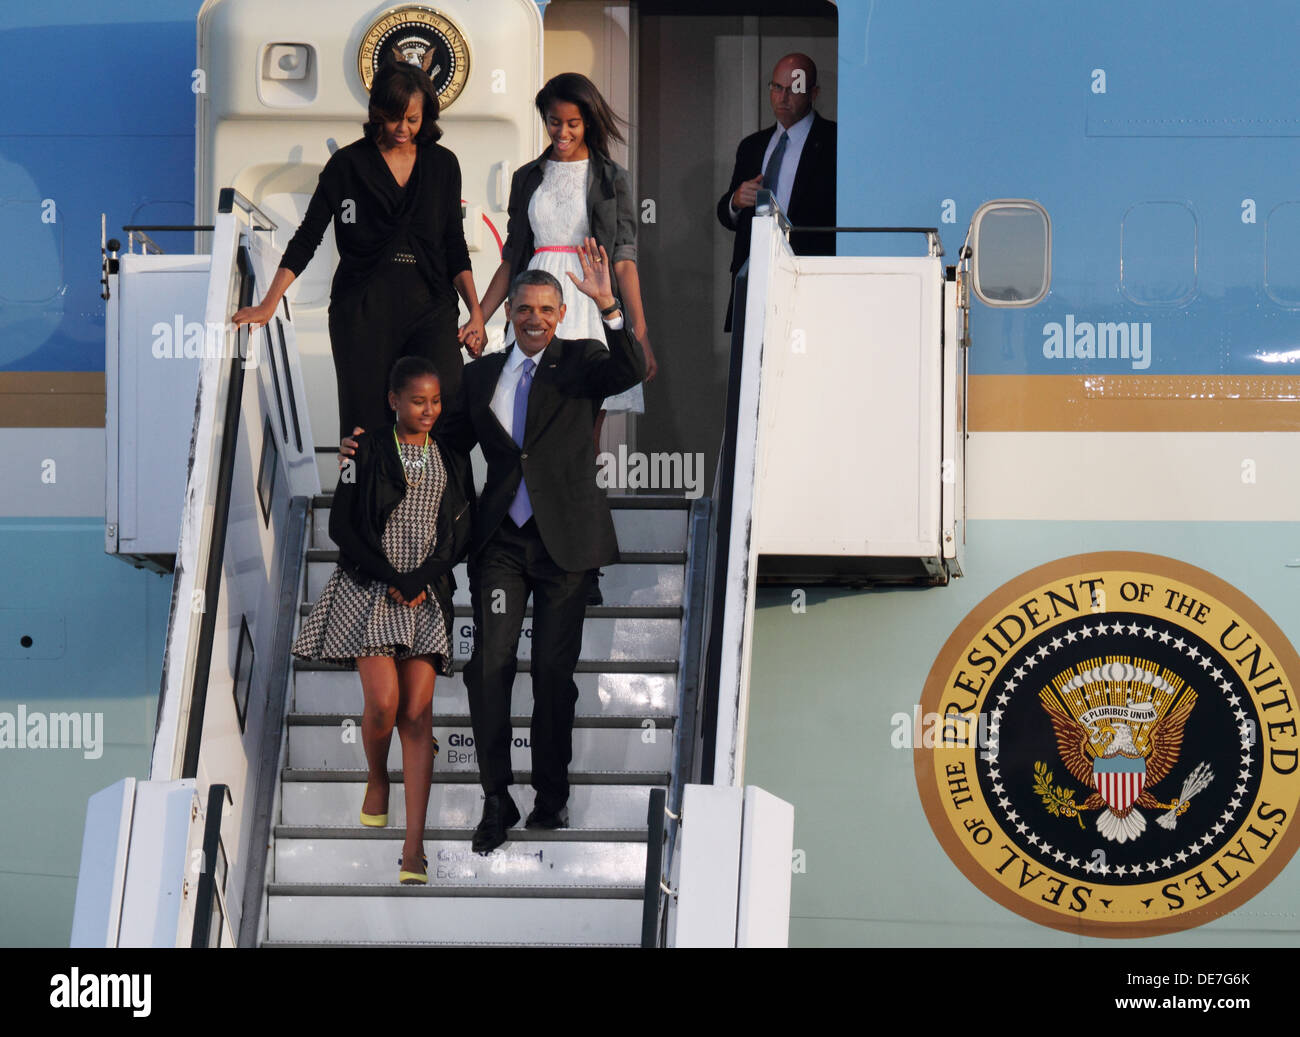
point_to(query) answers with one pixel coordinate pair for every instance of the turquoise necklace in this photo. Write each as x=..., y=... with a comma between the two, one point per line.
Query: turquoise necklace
x=417, y=465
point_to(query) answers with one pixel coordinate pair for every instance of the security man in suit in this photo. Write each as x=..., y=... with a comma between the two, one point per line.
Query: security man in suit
x=543, y=527
x=795, y=160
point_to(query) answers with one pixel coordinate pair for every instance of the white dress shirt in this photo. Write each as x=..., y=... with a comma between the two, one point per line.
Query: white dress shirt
x=789, y=161
x=503, y=397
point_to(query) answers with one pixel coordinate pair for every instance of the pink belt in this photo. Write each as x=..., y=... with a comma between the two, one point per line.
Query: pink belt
x=556, y=248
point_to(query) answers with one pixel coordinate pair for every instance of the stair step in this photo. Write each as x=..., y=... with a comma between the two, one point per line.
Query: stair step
x=602, y=638
x=592, y=611
x=394, y=915
x=442, y=944
x=649, y=527
x=462, y=833
x=452, y=889
x=617, y=501
x=324, y=554
x=312, y=799
x=594, y=748
x=524, y=665
x=446, y=721
x=604, y=694
x=454, y=866
x=645, y=578
x=521, y=776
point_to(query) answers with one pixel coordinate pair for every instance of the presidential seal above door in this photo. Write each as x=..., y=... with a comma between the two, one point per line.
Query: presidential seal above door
x=421, y=36
x=1115, y=746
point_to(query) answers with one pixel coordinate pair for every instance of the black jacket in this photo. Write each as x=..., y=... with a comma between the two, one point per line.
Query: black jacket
x=611, y=211
x=367, y=493
x=556, y=460
x=372, y=216
x=812, y=196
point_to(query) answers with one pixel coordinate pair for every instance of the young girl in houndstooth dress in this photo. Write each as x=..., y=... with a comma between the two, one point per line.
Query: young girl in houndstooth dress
x=400, y=521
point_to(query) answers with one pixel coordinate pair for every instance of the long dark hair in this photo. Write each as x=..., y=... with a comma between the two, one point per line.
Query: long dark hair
x=395, y=84
x=601, y=124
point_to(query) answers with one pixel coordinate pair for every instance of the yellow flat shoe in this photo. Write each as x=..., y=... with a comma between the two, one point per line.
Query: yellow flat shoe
x=413, y=878
x=372, y=820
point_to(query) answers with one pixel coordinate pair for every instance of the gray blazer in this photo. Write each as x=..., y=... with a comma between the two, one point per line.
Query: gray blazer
x=611, y=212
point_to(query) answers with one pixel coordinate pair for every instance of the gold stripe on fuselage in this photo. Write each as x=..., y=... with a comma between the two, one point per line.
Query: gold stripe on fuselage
x=1134, y=403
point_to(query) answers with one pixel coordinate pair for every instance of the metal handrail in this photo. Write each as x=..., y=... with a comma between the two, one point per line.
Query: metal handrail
x=767, y=206
x=167, y=226
x=228, y=198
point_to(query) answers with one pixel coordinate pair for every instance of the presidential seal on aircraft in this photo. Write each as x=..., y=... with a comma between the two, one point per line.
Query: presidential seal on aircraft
x=1116, y=689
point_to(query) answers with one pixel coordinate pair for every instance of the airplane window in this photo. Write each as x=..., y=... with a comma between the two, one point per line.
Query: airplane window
x=1282, y=254
x=1012, y=242
x=1158, y=243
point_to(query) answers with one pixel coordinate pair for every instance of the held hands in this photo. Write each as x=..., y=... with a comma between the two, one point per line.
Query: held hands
x=746, y=195
x=595, y=283
x=473, y=334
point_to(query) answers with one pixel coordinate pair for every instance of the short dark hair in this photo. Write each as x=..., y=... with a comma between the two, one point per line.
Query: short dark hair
x=600, y=123
x=536, y=277
x=395, y=84
x=407, y=369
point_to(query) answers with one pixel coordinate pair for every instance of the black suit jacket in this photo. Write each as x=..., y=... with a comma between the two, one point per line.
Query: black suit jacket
x=557, y=460
x=812, y=196
x=371, y=214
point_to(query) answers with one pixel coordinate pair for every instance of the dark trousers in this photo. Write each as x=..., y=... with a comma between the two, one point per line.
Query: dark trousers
x=390, y=316
x=512, y=565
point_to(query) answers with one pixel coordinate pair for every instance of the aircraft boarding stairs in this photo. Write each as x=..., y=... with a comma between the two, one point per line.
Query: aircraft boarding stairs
x=247, y=830
x=332, y=881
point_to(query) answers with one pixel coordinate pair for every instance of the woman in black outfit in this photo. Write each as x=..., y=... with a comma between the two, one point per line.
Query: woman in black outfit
x=394, y=198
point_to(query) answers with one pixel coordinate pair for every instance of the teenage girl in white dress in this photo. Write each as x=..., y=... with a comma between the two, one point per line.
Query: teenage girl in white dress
x=552, y=203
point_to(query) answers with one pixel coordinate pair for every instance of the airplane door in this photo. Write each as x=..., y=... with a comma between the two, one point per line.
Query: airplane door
x=281, y=86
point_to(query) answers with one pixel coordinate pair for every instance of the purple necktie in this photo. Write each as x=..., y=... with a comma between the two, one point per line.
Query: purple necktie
x=521, y=508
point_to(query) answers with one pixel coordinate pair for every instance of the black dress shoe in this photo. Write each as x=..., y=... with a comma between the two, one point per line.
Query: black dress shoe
x=540, y=818
x=499, y=814
x=594, y=597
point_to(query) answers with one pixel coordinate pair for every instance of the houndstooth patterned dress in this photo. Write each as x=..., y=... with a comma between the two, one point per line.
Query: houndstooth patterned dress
x=353, y=618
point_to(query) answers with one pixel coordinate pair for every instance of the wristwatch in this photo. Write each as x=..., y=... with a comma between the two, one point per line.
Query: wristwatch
x=612, y=308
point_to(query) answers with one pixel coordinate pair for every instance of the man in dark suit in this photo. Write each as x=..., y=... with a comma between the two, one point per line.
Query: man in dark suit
x=795, y=159
x=543, y=527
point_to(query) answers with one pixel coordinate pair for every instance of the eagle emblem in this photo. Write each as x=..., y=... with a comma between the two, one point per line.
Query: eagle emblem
x=1119, y=731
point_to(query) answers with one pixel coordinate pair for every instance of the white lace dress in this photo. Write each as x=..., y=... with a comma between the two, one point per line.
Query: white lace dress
x=558, y=214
